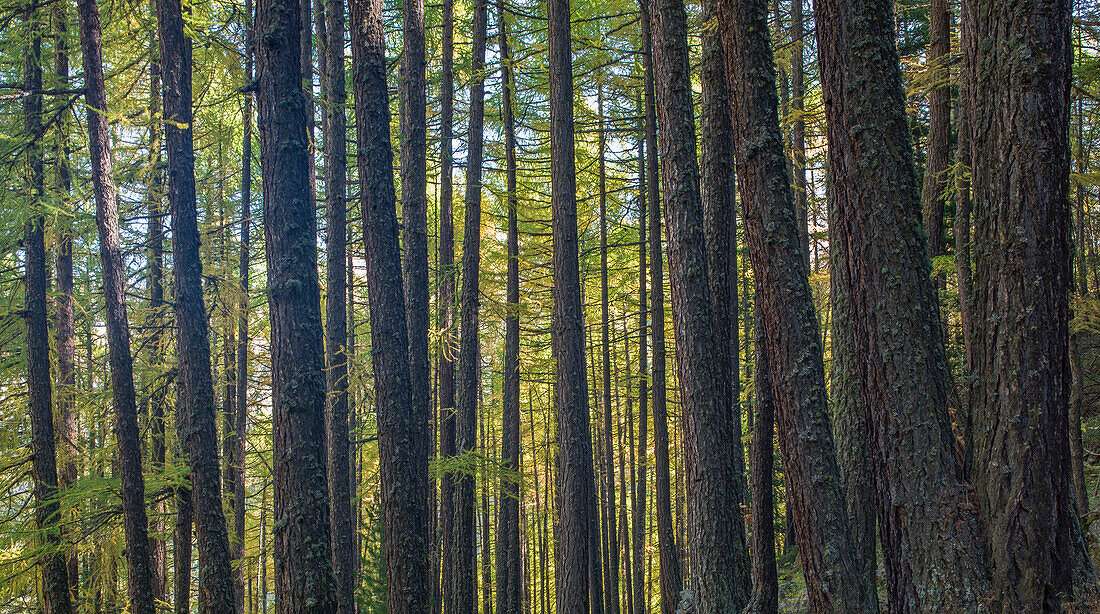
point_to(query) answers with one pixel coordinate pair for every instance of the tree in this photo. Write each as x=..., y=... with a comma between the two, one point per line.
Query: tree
x=936, y=177
x=765, y=590
x=1018, y=94
x=929, y=532
x=303, y=562
x=136, y=526
x=215, y=570
x=576, y=542
x=403, y=426
x=789, y=317
x=509, y=597
x=55, y=569
x=647, y=192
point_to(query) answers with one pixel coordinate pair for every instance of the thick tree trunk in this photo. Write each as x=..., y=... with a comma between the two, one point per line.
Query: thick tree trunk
x=785, y=304
x=962, y=265
x=303, y=562
x=465, y=532
x=135, y=524
x=765, y=589
x=336, y=305
x=668, y=552
x=720, y=561
x=1020, y=64
x=403, y=426
x=55, y=570
x=928, y=529
x=576, y=546
x=201, y=441
x=509, y=593
x=936, y=176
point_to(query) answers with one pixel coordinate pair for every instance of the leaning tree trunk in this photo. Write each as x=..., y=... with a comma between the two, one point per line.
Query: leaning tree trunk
x=55, y=570
x=303, y=563
x=785, y=303
x=140, y=572
x=575, y=544
x=1020, y=74
x=403, y=426
x=215, y=568
x=930, y=536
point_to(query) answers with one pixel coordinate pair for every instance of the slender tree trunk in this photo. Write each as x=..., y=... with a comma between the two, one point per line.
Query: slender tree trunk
x=336, y=305
x=215, y=569
x=465, y=553
x=798, y=129
x=720, y=562
x=647, y=192
x=238, y=459
x=181, y=536
x=936, y=177
x=765, y=590
x=303, y=562
x=55, y=569
x=509, y=594
x=135, y=524
x=785, y=304
x=67, y=426
x=928, y=529
x=403, y=443
x=1021, y=67
x=667, y=550
x=447, y=282
x=575, y=542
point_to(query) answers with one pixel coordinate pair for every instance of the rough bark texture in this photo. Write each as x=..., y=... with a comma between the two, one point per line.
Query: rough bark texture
x=303, y=562
x=139, y=564
x=849, y=411
x=928, y=526
x=1019, y=99
x=719, y=571
x=668, y=553
x=465, y=532
x=574, y=543
x=341, y=488
x=936, y=176
x=765, y=588
x=509, y=567
x=962, y=261
x=403, y=426
x=216, y=590
x=55, y=571
x=785, y=303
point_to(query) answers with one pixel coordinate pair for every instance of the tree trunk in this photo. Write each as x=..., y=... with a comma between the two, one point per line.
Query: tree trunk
x=181, y=535
x=509, y=594
x=962, y=265
x=403, y=426
x=575, y=544
x=666, y=542
x=785, y=304
x=447, y=282
x=336, y=305
x=55, y=569
x=303, y=562
x=201, y=441
x=135, y=524
x=720, y=562
x=765, y=590
x=1020, y=64
x=647, y=192
x=928, y=530
x=936, y=176
x=798, y=130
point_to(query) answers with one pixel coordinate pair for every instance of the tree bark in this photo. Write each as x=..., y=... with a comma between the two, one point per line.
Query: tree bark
x=509, y=592
x=785, y=304
x=216, y=588
x=798, y=130
x=403, y=426
x=135, y=524
x=765, y=589
x=447, y=283
x=936, y=177
x=927, y=526
x=303, y=563
x=1021, y=62
x=575, y=544
x=647, y=192
x=55, y=569
x=668, y=552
